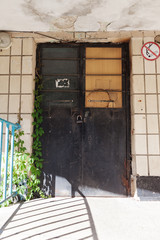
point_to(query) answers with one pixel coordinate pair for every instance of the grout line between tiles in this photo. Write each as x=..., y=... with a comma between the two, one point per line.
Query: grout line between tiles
x=145, y=113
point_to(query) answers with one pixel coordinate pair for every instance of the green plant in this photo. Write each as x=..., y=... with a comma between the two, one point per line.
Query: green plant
x=21, y=166
x=27, y=168
x=36, y=160
x=20, y=171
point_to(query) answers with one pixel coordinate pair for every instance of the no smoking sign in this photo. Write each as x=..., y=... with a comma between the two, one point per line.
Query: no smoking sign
x=150, y=51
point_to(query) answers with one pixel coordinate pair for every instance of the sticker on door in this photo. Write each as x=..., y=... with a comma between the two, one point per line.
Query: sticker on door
x=62, y=83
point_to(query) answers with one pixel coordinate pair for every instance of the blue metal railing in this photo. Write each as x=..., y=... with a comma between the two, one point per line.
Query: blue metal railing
x=8, y=173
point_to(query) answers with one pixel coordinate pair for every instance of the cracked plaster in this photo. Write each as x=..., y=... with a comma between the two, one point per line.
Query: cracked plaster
x=79, y=15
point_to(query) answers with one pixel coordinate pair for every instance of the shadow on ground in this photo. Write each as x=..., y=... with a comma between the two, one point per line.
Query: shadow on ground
x=52, y=218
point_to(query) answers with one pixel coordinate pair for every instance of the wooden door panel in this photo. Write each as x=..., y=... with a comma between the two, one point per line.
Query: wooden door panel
x=94, y=66
x=103, y=99
x=103, y=91
x=104, y=82
x=102, y=52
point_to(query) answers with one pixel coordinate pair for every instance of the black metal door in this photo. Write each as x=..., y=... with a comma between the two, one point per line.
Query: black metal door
x=85, y=145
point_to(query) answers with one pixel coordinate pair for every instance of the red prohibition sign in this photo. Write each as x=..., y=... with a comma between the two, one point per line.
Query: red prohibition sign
x=150, y=51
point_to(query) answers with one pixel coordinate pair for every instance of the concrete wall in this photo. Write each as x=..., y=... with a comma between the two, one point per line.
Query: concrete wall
x=17, y=70
x=79, y=15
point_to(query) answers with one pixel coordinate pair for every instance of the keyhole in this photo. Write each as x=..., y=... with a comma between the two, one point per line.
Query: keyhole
x=79, y=119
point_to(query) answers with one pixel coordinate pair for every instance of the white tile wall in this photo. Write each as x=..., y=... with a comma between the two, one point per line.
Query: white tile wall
x=27, y=84
x=4, y=65
x=152, y=124
x=16, y=89
x=153, y=144
x=139, y=124
x=28, y=46
x=136, y=44
x=13, y=118
x=145, y=110
x=150, y=81
x=4, y=103
x=138, y=103
x=26, y=103
x=137, y=65
x=159, y=102
x=154, y=164
x=5, y=52
x=26, y=123
x=137, y=84
x=4, y=83
x=150, y=67
x=16, y=46
x=158, y=83
x=140, y=144
x=158, y=65
x=14, y=103
x=142, y=165
x=27, y=67
x=15, y=84
x=15, y=65
x=151, y=102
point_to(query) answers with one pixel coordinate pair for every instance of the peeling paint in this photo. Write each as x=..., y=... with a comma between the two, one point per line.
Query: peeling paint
x=86, y=23
x=83, y=8
x=80, y=15
x=103, y=26
x=29, y=8
x=65, y=22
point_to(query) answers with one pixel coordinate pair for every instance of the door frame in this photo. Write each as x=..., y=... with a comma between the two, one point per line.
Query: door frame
x=126, y=178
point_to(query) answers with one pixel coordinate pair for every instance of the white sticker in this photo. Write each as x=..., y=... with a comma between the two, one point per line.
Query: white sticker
x=62, y=83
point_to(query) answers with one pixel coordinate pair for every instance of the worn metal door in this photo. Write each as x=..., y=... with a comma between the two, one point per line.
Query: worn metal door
x=85, y=110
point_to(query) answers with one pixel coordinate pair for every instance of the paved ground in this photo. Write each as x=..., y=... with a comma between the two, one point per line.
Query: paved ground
x=78, y=218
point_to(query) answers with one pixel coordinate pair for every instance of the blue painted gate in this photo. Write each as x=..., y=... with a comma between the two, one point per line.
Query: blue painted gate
x=7, y=177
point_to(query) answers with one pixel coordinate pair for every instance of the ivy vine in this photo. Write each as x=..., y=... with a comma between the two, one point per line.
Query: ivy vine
x=36, y=160
x=27, y=168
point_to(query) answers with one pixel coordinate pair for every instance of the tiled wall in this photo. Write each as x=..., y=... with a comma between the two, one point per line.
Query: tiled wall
x=16, y=84
x=17, y=69
x=145, y=110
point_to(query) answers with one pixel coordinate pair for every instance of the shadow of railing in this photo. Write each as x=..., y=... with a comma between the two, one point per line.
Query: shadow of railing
x=52, y=218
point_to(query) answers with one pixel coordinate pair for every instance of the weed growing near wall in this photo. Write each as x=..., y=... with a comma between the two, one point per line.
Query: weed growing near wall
x=35, y=162
x=27, y=168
